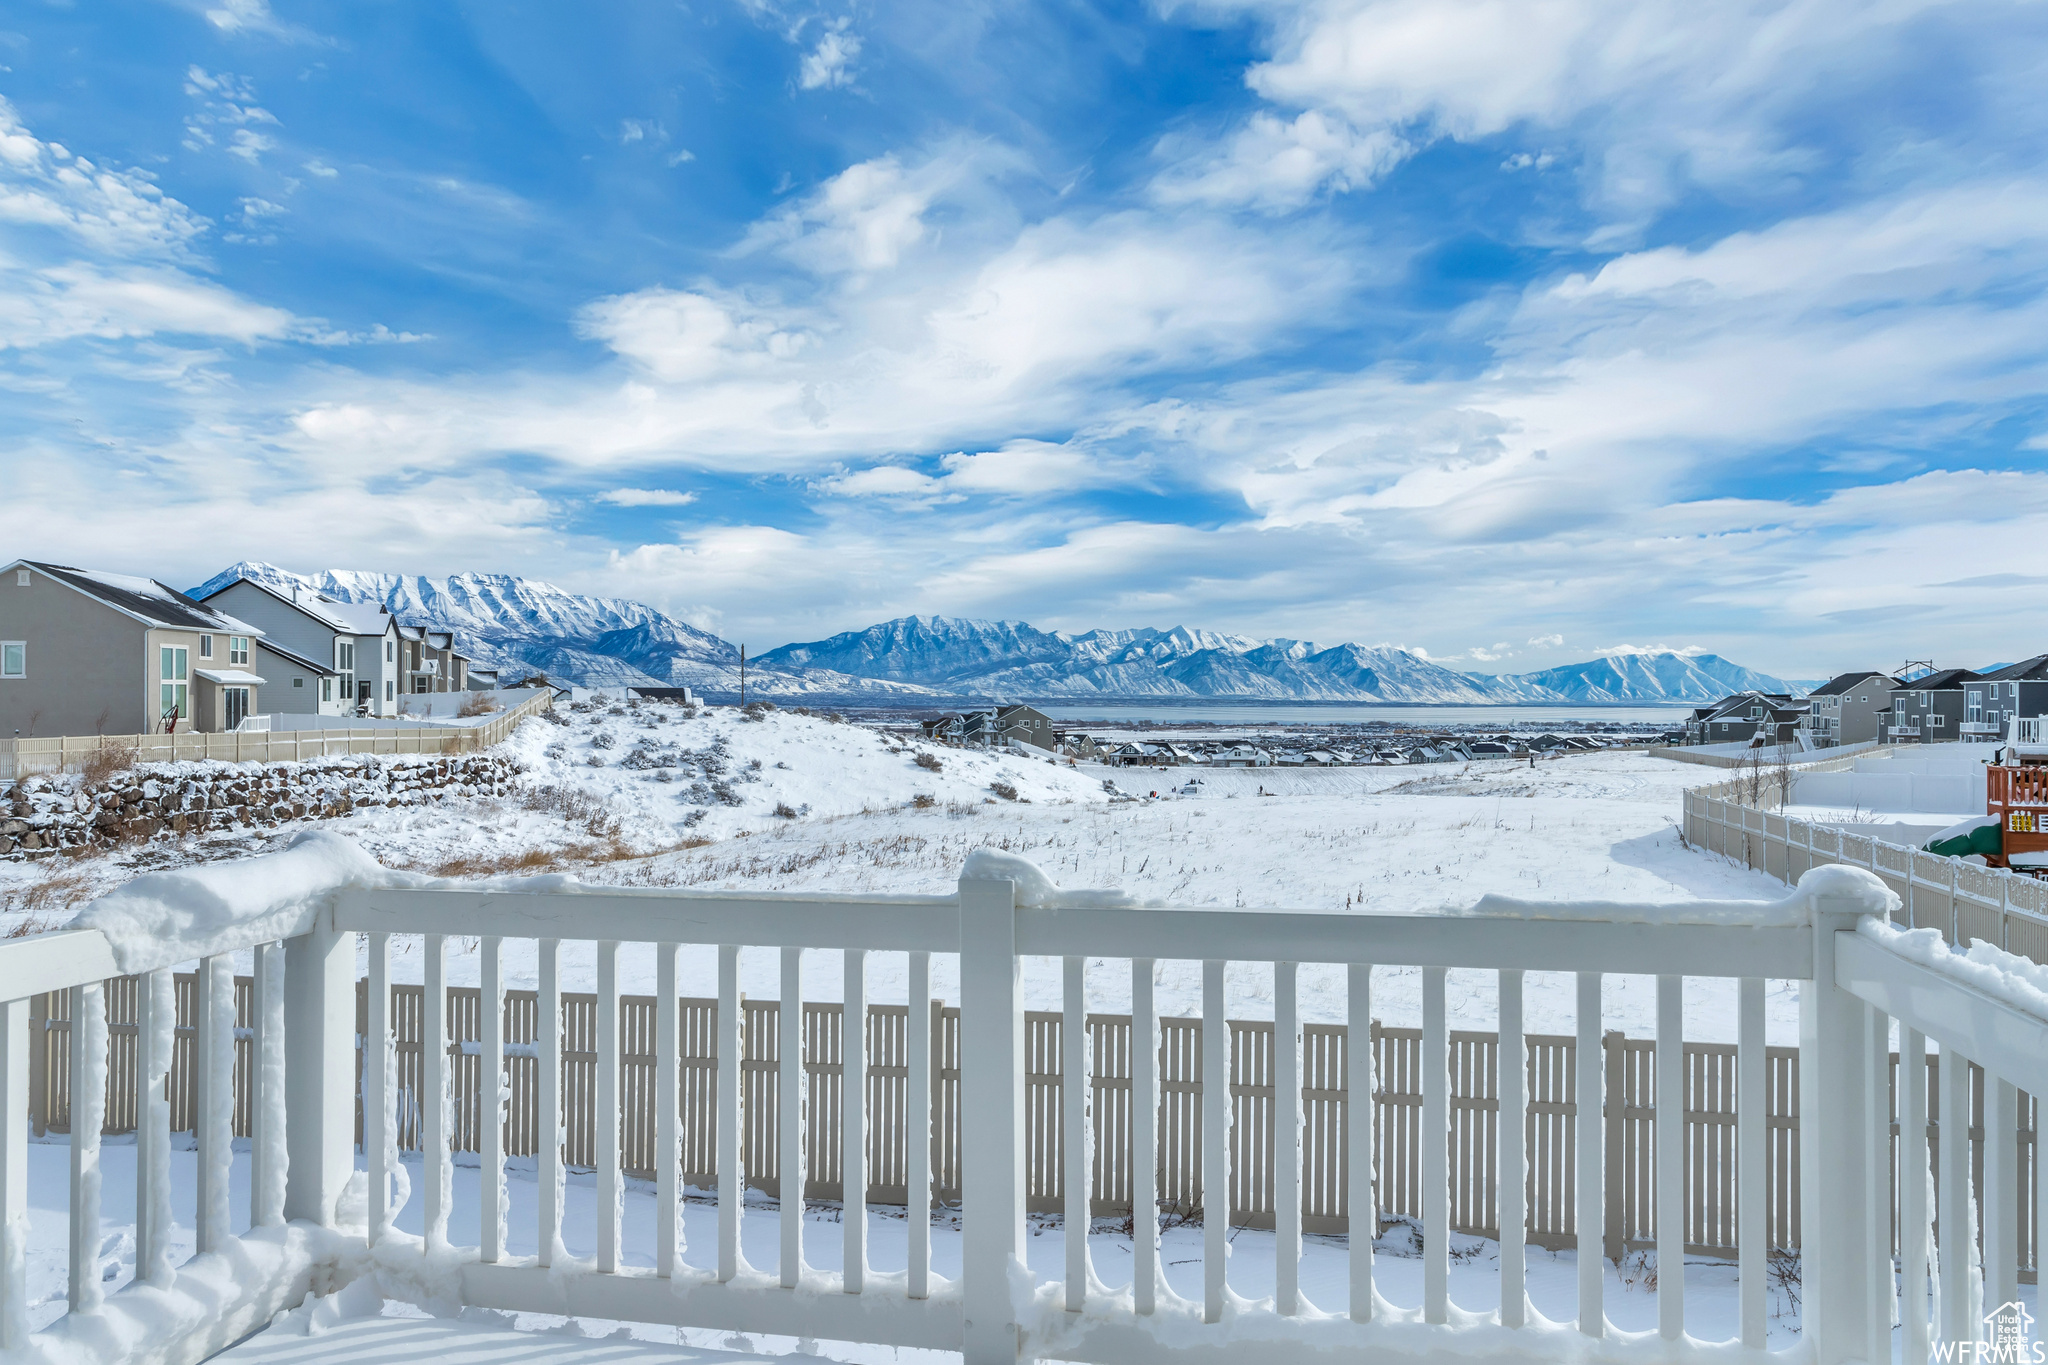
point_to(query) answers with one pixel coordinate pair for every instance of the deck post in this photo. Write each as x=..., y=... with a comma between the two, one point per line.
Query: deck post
x=991, y=1120
x=1834, y=1068
x=320, y=1072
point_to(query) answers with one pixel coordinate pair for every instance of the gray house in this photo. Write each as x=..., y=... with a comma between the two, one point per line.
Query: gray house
x=2016, y=692
x=298, y=686
x=84, y=652
x=1929, y=709
x=359, y=641
x=1849, y=708
x=1741, y=717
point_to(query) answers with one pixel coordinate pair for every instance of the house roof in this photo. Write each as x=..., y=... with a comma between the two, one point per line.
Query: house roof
x=346, y=618
x=1941, y=680
x=2028, y=669
x=145, y=599
x=232, y=677
x=1842, y=682
x=295, y=658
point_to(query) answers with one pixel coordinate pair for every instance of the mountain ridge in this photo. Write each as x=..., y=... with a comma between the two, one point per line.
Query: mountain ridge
x=513, y=624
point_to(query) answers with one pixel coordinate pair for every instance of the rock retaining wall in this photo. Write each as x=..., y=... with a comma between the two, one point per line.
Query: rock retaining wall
x=40, y=815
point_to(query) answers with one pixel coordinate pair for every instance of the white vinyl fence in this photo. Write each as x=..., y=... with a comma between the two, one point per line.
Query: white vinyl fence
x=68, y=753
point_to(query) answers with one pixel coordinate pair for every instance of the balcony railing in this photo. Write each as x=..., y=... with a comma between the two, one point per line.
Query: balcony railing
x=1832, y=935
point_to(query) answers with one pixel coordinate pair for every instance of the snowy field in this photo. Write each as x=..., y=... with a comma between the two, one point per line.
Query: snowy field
x=867, y=818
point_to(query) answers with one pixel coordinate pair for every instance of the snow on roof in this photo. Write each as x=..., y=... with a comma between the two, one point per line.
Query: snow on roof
x=354, y=618
x=231, y=677
x=145, y=599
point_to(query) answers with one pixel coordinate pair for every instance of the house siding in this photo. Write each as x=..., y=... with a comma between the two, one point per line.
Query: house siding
x=83, y=658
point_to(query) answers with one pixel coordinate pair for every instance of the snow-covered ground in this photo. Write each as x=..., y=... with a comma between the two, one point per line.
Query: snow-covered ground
x=867, y=818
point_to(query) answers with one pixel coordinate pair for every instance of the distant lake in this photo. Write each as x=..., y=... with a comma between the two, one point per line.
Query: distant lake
x=1563, y=716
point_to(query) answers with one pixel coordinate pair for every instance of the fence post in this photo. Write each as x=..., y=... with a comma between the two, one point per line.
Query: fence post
x=320, y=1073
x=1836, y=1219
x=991, y=1121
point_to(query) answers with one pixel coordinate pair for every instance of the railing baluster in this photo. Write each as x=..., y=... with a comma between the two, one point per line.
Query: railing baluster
x=547, y=1048
x=1436, y=1131
x=609, y=1190
x=1215, y=1142
x=1913, y=1209
x=1752, y=1133
x=155, y=1021
x=267, y=1168
x=380, y=1108
x=917, y=1122
x=1286, y=1141
x=731, y=1179
x=88, y=1115
x=1075, y=1101
x=14, y=1079
x=1358, y=1118
x=436, y=1164
x=1590, y=1062
x=668, y=1154
x=2001, y=1192
x=1878, y=1186
x=490, y=1100
x=789, y=1099
x=1959, y=1317
x=1144, y=1139
x=1514, y=1166
x=1670, y=1162
x=213, y=1005
x=853, y=1123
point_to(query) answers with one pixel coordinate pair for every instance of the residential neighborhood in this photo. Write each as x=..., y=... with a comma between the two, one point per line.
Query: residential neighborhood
x=87, y=652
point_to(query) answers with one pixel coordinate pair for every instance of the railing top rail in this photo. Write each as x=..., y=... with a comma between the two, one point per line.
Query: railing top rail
x=53, y=962
x=1925, y=985
x=1698, y=939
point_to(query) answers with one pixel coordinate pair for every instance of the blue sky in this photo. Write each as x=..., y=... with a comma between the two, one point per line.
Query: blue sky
x=1510, y=332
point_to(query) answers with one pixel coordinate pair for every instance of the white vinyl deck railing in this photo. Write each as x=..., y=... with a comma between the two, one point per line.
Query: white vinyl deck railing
x=1855, y=981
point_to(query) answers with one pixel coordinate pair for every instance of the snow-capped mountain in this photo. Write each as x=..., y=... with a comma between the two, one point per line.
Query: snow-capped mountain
x=1649, y=677
x=1015, y=659
x=519, y=625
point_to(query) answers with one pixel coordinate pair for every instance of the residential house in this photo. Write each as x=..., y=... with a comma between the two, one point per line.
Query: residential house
x=1929, y=709
x=1241, y=756
x=1004, y=725
x=1755, y=718
x=1993, y=701
x=296, y=685
x=84, y=652
x=1849, y=708
x=359, y=640
x=429, y=662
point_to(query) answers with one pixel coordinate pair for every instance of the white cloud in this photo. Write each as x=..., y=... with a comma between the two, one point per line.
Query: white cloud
x=681, y=336
x=633, y=130
x=227, y=106
x=321, y=169
x=830, y=63
x=1485, y=655
x=1275, y=164
x=647, y=497
x=881, y=481
x=1546, y=641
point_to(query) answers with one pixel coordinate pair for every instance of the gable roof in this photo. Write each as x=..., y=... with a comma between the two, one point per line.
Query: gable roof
x=2032, y=669
x=1941, y=680
x=291, y=656
x=346, y=618
x=1834, y=687
x=144, y=599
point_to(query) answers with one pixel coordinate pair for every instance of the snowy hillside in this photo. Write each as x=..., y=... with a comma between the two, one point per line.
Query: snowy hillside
x=1015, y=659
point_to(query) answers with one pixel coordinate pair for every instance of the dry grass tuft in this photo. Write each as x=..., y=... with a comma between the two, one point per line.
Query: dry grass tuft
x=575, y=807
x=479, y=704
x=931, y=763
x=103, y=762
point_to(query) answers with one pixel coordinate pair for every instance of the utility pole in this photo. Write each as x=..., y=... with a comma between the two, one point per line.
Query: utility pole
x=743, y=677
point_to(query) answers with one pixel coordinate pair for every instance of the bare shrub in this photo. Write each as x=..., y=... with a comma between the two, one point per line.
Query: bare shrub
x=478, y=704
x=785, y=810
x=924, y=801
x=104, y=761
x=574, y=807
x=1004, y=790
x=931, y=763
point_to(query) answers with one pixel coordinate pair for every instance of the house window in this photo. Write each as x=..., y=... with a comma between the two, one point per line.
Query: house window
x=238, y=649
x=387, y=651
x=1937, y=721
x=298, y=682
x=13, y=659
x=327, y=689
x=174, y=697
x=390, y=690
x=206, y=646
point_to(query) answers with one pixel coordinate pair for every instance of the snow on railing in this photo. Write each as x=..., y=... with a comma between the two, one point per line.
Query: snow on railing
x=301, y=911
